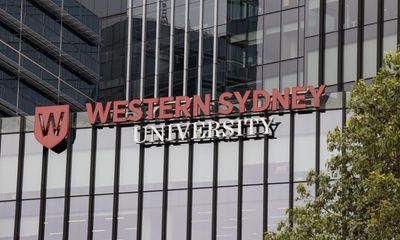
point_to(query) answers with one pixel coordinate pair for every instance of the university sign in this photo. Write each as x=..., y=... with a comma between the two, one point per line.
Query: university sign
x=181, y=119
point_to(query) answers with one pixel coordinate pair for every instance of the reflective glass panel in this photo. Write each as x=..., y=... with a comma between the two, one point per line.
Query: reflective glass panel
x=153, y=168
x=81, y=162
x=311, y=61
x=278, y=202
x=151, y=225
x=331, y=59
x=329, y=121
x=289, y=34
x=7, y=210
x=32, y=167
x=129, y=162
x=304, y=145
x=8, y=166
x=228, y=163
x=177, y=215
x=102, y=223
x=389, y=36
x=350, y=55
x=312, y=17
x=331, y=15
x=272, y=36
x=78, y=217
x=390, y=9
x=54, y=218
x=178, y=166
x=370, y=11
x=227, y=213
x=201, y=214
x=127, y=216
x=278, y=151
x=203, y=165
x=56, y=169
x=253, y=161
x=105, y=160
x=30, y=219
x=350, y=14
x=252, y=210
x=369, y=51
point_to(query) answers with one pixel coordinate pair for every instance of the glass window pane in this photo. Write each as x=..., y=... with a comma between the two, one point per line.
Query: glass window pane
x=7, y=210
x=253, y=161
x=389, y=36
x=311, y=61
x=329, y=121
x=178, y=166
x=30, y=219
x=369, y=51
x=312, y=17
x=278, y=202
x=271, y=76
x=102, y=223
x=288, y=74
x=129, y=168
x=32, y=167
x=289, y=3
x=332, y=15
x=127, y=216
x=252, y=218
x=272, y=5
x=289, y=33
x=105, y=160
x=390, y=9
x=78, y=217
x=203, y=165
x=227, y=213
x=153, y=168
x=80, y=176
x=54, y=218
x=228, y=163
x=152, y=206
x=8, y=166
x=201, y=214
x=176, y=217
x=350, y=14
x=272, y=37
x=56, y=169
x=331, y=59
x=350, y=55
x=278, y=151
x=304, y=145
x=370, y=11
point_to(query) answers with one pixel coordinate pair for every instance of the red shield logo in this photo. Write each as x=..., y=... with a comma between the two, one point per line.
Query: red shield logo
x=51, y=125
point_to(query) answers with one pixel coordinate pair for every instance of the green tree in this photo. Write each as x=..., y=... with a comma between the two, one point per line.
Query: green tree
x=363, y=202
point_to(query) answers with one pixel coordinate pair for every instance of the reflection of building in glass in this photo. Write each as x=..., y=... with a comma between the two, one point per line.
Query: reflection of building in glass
x=104, y=186
x=49, y=55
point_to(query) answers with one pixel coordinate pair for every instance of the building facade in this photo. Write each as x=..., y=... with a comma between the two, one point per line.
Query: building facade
x=105, y=186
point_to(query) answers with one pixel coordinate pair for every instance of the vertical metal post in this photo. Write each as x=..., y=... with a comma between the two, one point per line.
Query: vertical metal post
x=215, y=52
x=186, y=48
x=20, y=174
x=116, y=183
x=43, y=192
x=200, y=57
x=92, y=186
x=157, y=51
x=143, y=53
x=171, y=50
x=129, y=50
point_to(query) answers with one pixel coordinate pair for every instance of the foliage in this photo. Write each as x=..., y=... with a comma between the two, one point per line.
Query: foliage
x=363, y=202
